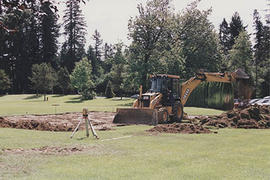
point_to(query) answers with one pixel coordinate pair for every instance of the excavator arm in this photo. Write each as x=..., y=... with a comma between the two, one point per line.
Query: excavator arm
x=192, y=83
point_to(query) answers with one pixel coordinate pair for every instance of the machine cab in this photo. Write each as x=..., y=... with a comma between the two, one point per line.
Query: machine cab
x=166, y=84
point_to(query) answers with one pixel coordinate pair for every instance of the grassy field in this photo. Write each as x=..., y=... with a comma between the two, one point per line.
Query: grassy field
x=30, y=104
x=230, y=154
x=128, y=152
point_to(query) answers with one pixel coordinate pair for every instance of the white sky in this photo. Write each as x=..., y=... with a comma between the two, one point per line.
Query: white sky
x=110, y=17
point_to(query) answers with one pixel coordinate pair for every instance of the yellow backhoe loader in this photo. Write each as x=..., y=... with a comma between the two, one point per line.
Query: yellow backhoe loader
x=165, y=100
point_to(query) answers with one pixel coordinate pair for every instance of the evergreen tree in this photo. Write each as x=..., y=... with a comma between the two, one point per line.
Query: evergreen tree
x=108, y=57
x=258, y=47
x=224, y=36
x=118, y=71
x=241, y=53
x=21, y=48
x=49, y=34
x=63, y=80
x=92, y=58
x=75, y=31
x=97, y=46
x=236, y=26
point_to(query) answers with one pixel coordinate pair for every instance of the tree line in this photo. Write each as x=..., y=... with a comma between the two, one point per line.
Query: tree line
x=162, y=41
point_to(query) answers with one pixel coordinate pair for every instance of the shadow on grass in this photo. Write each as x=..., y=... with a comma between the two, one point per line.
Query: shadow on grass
x=58, y=95
x=75, y=100
x=127, y=104
x=82, y=138
x=33, y=97
x=118, y=99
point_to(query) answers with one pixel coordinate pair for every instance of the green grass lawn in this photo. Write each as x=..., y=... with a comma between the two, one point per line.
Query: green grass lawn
x=30, y=104
x=230, y=154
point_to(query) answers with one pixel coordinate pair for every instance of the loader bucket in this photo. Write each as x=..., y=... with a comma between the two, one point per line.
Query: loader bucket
x=136, y=116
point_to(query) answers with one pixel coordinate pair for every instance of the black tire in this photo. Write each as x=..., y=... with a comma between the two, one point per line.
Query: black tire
x=178, y=112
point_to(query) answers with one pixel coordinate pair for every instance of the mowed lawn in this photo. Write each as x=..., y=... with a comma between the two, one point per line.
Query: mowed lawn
x=131, y=153
x=30, y=104
x=128, y=152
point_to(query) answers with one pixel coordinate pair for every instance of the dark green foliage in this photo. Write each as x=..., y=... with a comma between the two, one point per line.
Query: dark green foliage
x=241, y=53
x=49, y=32
x=118, y=71
x=63, y=80
x=108, y=56
x=199, y=41
x=162, y=41
x=224, y=36
x=43, y=78
x=265, y=85
x=4, y=82
x=212, y=95
x=109, y=90
x=146, y=31
x=94, y=54
x=31, y=39
x=97, y=46
x=75, y=31
x=236, y=26
x=261, y=55
x=21, y=48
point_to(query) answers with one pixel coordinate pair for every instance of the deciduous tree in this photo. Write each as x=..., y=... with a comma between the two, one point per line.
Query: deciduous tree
x=81, y=79
x=43, y=78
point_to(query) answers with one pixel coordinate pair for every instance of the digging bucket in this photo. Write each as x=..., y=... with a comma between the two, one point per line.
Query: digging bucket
x=136, y=116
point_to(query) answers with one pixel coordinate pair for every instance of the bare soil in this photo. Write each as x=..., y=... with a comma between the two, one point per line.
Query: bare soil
x=49, y=150
x=185, y=128
x=255, y=117
x=58, y=122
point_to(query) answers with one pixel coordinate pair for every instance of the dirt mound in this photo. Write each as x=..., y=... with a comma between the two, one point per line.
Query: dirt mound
x=47, y=150
x=58, y=122
x=179, y=128
x=255, y=117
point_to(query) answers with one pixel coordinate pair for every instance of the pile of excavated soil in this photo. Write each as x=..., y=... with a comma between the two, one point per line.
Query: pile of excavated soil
x=255, y=117
x=184, y=128
x=58, y=122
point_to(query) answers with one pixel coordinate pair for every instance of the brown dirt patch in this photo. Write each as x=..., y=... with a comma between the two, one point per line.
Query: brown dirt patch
x=58, y=122
x=184, y=128
x=47, y=150
x=255, y=117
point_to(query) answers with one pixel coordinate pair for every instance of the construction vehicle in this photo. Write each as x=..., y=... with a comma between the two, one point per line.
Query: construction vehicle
x=165, y=100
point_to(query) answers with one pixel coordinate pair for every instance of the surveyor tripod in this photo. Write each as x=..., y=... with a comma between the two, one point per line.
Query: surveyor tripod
x=87, y=123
